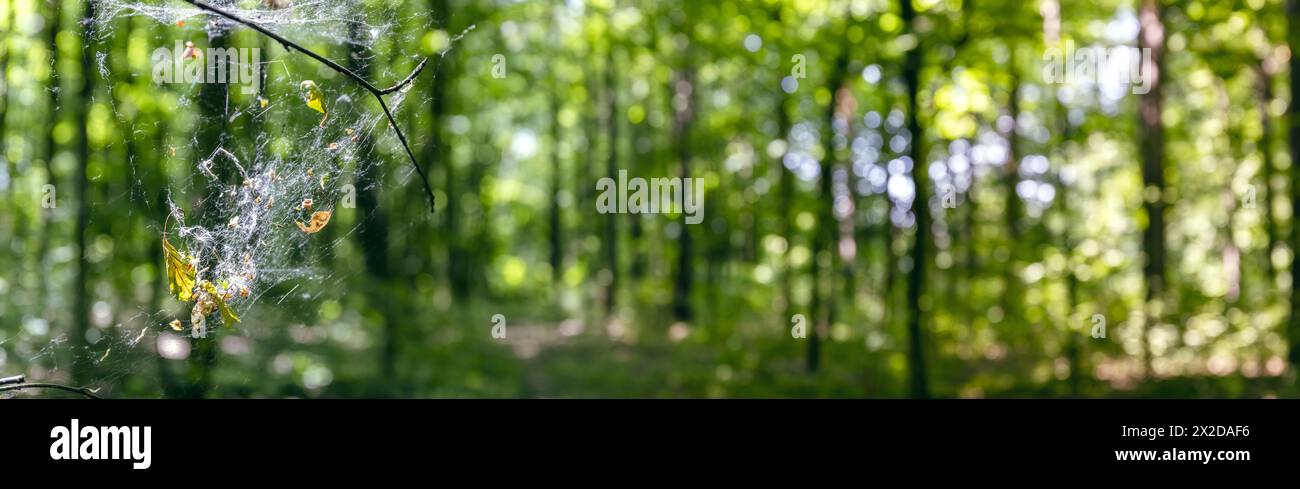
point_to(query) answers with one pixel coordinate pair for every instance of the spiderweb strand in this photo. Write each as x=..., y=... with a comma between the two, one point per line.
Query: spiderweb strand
x=378, y=93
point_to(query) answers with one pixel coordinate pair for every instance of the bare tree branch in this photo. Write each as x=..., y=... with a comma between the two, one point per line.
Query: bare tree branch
x=408, y=80
x=38, y=385
x=378, y=93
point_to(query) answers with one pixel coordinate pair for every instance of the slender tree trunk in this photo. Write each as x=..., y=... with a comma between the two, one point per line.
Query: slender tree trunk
x=1011, y=168
x=12, y=169
x=785, y=202
x=684, y=118
x=477, y=257
x=636, y=230
x=610, y=244
x=1073, y=339
x=970, y=219
x=912, y=64
x=1265, y=147
x=888, y=237
x=53, y=21
x=438, y=152
x=588, y=169
x=1011, y=294
x=18, y=224
x=19, y=228
x=82, y=368
x=555, y=222
x=1151, y=147
x=1293, y=137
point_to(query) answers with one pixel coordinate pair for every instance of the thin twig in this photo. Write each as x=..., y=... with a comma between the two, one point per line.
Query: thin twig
x=378, y=93
x=38, y=385
x=409, y=78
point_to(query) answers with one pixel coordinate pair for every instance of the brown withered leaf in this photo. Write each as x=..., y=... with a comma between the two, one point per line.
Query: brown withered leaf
x=318, y=221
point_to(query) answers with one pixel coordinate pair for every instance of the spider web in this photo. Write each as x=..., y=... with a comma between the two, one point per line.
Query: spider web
x=245, y=209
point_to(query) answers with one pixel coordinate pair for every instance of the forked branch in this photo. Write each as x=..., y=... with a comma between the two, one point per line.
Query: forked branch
x=377, y=92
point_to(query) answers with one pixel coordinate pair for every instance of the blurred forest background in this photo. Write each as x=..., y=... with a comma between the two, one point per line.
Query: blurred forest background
x=1043, y=211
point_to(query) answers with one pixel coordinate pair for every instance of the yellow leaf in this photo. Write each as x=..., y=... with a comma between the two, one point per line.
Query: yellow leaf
x=315, y=99
x=318, y=221
x=180, y=272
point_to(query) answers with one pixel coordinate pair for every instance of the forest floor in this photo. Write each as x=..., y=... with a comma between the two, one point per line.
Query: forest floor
x=563, y=360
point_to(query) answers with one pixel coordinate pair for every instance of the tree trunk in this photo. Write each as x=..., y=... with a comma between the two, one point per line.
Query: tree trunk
x=12, y=168
x=439, y=152
x=1293, y=137
x=82, y=367
x=1011, y=293
x=555, y=221
x=919, y=386
x=785, y=201
x=636, y=230
x=1151, y=146
x=1265, y=148
x=53, y=21
x=610, y=243
x=684, y=118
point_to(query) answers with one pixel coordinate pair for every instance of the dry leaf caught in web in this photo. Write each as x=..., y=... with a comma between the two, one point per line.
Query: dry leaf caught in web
x=180, y=272
x=176, y=325
x=318, y=221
